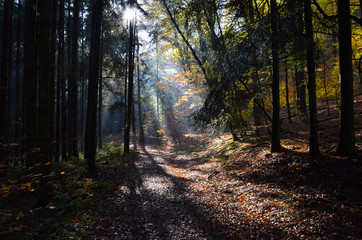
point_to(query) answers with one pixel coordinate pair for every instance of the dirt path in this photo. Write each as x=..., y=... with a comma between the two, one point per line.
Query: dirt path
x=153, y=202
x=164, y=194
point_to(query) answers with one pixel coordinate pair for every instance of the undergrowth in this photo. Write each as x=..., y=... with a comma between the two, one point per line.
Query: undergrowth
x=72, y=198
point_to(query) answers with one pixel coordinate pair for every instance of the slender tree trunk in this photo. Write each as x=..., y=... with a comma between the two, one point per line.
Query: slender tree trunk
x=100, y=106
x=130, y=84
x=275, y=146
x=68, y=60
x=346, y=135
x=73, y=85
x=53, y=46
x=82, y=79
x=91, y=124
x=256, y=108
x=313, y=119
x=140, y=118
x=63, y=92
x=30, y=77
x=5, y=76
x=325, y=84
x=19, y=82
x=60, y=79
x=300, y=86
x=44, y=97
x=133, y=117
x=125, y=86
x=287, y=92
x=100, y=95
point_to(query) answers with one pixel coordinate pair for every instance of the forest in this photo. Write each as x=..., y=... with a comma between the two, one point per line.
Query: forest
x=180, y=119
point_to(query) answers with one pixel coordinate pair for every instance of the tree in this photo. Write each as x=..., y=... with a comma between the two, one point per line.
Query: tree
x=94, y=60
x=127, y=128
x=60, y=138
x=140, y=117
x=53, y=46
x=5, y=75
x=275, y=146
x=100, y=93
x=346, y=133
x=313, y=121
x=73, y=85
x=44, y=96
x=30, y=75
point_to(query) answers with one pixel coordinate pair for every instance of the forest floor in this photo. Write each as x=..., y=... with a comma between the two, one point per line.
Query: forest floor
x=205, y=187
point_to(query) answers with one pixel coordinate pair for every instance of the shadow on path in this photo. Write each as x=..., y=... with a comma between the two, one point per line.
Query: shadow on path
x=153, y=204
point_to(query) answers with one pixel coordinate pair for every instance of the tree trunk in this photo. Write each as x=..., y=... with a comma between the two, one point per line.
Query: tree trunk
x=5, y=76
x=130, y=84
x=140, y=118
x=287, y=93
x=300, y=86
x=44, y=97
x=82, y=79
x=19, y=82
x=257, y=112
x=91, y=123
x=125, y=87
x=313, y=120
x=60, y=79
x=346, y=135
x=63, y=95
x=275, y=146
x=30, y=77
x=72, y=84
x=100, y=95
x=53, y=46
x=68, y=60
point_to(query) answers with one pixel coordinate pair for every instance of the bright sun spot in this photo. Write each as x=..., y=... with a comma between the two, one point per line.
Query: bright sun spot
x=129, y=14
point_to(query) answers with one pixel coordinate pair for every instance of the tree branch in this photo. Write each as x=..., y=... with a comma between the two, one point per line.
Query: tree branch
x=333, y=17
x=186, y=41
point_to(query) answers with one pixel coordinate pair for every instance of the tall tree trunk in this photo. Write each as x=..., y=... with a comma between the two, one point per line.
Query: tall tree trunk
x=133, y=117
x=82, y=91
x=130, y=84
x=68, y=59
x=300, y=86
x=5, y=76
x=275, y=146
x=346, y=134
x=63, y=92
x=125, y=86
x=257, y=112
x=140, y=118
x=44, y=97
x=100, y=95
x=313, y=120
x=53, y=46
x=325, y=84
x=287, y=93
x=91, y=124
x=19, y=82
x=73, y=85
x=30, y=76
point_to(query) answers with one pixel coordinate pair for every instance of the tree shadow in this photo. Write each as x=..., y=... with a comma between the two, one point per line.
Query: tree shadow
x=161, y=209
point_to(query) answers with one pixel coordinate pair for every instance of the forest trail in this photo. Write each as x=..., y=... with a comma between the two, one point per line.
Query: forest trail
x=187, y=191
x=153, y=200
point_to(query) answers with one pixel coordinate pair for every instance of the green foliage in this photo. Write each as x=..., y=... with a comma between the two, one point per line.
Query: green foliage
x=113, y=154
